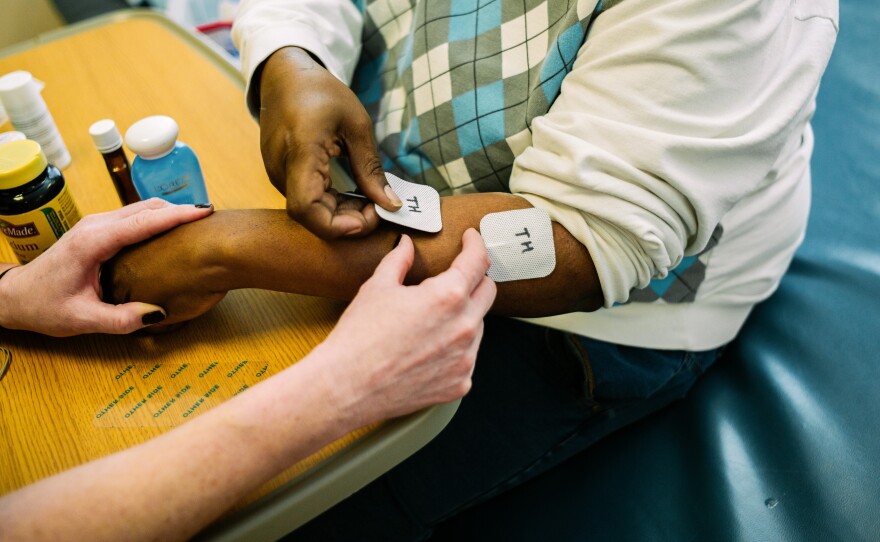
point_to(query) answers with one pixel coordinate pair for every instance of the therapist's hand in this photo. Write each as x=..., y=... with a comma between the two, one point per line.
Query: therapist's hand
x=59, y=293
x=307, y=117
x=398, y=348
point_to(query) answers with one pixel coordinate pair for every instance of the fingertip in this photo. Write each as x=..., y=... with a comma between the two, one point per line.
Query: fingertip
x=194, y=211
x=403, y=244
x=405, y=240
x=384, y=196
x=157, y=203
x=398, y=260
x=141, y=315
x=354, y=231
x=122, y=319
x=393, y=197
x=472, y=240
x=153, y=317
x=473, y=235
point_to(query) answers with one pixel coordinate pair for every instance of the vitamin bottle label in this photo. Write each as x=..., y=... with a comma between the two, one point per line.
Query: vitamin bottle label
x=30, y=234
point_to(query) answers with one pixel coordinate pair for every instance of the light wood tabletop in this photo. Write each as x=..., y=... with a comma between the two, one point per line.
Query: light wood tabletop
x=67, y=401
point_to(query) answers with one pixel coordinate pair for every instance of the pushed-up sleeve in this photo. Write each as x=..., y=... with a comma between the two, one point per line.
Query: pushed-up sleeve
x=329, y=29
x=672, y=113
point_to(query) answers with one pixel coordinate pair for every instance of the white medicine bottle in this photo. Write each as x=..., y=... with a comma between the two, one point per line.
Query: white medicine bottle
x=164, y=167
x=20, y=95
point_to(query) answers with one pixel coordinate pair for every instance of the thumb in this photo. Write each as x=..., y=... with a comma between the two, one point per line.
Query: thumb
x=126, y=318
x=396, y=264
x=367, y=170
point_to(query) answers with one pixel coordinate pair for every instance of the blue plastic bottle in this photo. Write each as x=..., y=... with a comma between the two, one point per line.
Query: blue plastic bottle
x=164, y=167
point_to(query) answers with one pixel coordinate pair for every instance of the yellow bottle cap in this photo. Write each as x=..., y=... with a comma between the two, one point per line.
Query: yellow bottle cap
x=20, y=162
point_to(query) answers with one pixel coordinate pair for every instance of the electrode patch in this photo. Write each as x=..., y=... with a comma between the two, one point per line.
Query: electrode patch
x=519, y=243
x=421, y=206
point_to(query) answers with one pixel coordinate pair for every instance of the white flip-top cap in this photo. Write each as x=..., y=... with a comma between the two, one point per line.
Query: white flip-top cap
x=152, y=137
x=19, y=92
x=105, y=135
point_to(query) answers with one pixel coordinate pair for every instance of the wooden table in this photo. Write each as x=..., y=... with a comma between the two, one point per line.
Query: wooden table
x=67, y=401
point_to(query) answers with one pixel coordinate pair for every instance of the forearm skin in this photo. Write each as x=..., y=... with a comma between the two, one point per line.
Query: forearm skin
x=265, y=249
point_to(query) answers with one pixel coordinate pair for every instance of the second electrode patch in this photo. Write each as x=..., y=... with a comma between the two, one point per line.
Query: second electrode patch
x=519, y=243
x=421, y=206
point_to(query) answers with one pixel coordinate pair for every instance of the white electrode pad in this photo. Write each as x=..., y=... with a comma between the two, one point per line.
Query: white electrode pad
x=520, y=244
x=421, y=206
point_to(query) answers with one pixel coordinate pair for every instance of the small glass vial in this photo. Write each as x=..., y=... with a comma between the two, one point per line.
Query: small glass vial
x=35, y=205
x=27, y=110
x=164, y=167
x=108, y=140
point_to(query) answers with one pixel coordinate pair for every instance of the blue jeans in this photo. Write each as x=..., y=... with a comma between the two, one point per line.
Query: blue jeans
x=539, y=396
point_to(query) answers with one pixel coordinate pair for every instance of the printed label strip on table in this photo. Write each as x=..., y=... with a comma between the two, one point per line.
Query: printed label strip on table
x=169, y=394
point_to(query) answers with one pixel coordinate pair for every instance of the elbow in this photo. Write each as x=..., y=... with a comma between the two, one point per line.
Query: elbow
x=591, y=301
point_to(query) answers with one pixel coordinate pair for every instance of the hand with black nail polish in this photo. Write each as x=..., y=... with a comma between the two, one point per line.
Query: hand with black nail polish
x=59, y=293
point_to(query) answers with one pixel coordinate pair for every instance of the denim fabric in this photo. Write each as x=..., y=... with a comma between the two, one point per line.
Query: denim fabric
x=539, y=397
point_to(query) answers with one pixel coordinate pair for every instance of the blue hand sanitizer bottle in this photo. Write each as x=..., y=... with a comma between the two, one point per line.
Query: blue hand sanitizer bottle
x=164, y=167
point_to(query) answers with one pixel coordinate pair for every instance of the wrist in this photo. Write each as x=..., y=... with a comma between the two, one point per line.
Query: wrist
x=293, y=56
x=223, y=258
x=285, y=63
x=214, y=261
x=284, y=66
x=7, y=305
x=343, y=389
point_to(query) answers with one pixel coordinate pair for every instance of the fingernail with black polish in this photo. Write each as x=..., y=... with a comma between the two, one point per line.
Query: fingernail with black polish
x=204, y=205
x=153, y=318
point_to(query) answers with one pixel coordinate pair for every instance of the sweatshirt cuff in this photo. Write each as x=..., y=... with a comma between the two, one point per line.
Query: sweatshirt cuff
x=614, y=252
x=270, y=39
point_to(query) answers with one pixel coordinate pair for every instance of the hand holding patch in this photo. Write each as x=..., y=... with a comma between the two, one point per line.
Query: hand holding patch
x=421, y=206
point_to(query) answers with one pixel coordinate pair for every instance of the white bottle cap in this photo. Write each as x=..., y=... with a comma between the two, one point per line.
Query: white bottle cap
x=19, y=93
x=105, y=135
x=152, y=137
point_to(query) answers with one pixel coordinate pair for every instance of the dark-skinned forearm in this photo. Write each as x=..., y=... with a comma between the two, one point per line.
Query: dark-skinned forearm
x=265, y=249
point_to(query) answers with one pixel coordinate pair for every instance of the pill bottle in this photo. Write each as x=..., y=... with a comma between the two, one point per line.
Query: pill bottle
x=108, y=140
x=35, y=205
x=27, y=110
x=164, y=167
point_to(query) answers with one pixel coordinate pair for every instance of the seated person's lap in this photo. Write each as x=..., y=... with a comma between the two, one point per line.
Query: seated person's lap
x=539, y=396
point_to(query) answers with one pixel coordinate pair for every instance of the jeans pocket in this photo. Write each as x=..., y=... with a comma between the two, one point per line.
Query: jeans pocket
x=574, y=366
x=625, y=374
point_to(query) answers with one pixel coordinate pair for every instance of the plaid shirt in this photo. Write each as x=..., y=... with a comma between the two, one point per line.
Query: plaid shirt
x=680, y=118
x=453, y=85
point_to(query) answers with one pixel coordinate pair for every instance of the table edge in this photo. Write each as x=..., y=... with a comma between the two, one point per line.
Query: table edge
x=212, y=51
x=315, y=491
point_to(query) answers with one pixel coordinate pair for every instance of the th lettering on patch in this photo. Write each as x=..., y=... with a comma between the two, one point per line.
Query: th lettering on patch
x=519, y=243
x=421, y=206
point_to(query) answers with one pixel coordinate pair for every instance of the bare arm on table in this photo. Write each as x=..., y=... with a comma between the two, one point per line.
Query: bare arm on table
x=189, y=269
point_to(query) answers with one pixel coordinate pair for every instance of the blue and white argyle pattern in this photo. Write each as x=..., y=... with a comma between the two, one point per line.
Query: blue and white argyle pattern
x=681, y=284
x=452, y=87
